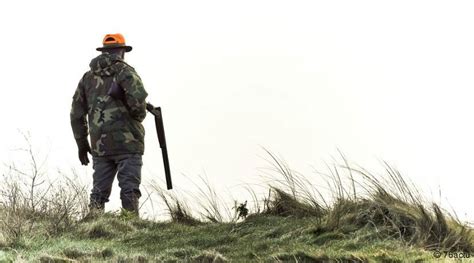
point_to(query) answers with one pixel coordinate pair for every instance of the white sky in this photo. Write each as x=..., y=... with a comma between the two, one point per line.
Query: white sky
x=387, y=80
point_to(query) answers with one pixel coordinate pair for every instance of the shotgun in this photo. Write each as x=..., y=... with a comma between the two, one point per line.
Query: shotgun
x=160, y=130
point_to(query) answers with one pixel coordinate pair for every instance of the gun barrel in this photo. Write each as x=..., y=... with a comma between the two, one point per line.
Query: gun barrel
x=169, y=184
x=160, y=130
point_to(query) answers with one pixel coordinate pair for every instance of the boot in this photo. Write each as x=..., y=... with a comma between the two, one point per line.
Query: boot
x=95, y=210
x=130, y=204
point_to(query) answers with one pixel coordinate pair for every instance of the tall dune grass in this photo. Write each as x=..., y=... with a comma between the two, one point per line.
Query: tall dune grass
x=348, y=196
x=345, y=197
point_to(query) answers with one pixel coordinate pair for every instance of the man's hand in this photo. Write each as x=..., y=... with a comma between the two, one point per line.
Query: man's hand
x=150, y=107
x=83, y=154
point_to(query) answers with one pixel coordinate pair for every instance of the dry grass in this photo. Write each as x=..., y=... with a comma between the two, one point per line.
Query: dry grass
x=177, y=209
x=387, y=203
x=31, y=203
x=347, y=197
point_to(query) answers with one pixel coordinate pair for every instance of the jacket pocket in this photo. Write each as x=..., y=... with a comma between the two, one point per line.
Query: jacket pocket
x=124, y=136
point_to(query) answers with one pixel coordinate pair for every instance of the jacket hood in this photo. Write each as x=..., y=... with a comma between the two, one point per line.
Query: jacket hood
x=105, y=64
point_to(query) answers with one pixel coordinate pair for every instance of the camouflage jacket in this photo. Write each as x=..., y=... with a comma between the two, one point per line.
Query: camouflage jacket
x=114, y=125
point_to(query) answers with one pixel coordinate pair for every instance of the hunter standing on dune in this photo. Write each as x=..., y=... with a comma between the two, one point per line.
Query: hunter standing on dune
x=112, y=96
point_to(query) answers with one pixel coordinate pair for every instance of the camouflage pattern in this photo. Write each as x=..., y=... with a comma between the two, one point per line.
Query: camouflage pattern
x=114, y=125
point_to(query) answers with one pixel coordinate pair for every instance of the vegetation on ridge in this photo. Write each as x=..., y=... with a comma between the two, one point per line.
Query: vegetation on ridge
x=359, y=217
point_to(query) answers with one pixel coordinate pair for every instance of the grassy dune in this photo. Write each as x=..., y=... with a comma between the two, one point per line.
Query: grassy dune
x=360, y=217
x=264, y=238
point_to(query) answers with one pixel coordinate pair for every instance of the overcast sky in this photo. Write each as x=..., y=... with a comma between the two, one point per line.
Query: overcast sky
x=380, y=80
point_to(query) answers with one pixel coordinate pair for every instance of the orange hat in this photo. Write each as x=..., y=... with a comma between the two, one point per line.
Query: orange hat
x=114, y=41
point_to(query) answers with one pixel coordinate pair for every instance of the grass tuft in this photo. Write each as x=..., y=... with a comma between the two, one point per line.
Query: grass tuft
x=285, y=204
x=177, y=209
x=107, y=226
x=49, y=259
x=301, y=256
x=209, y=257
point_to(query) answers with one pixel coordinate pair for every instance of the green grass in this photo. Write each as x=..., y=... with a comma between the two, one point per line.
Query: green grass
x=362, y=217
x=263, y=238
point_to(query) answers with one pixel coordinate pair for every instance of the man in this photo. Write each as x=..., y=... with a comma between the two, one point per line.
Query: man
x=112, y=96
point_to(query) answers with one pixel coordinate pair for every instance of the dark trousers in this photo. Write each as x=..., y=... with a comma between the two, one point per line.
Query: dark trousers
x=128, y=169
